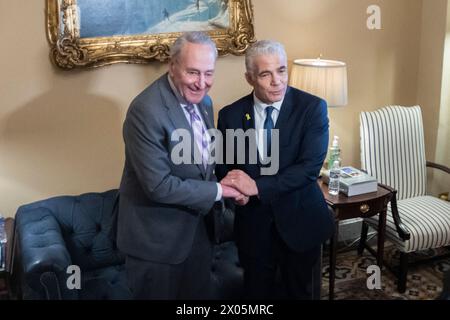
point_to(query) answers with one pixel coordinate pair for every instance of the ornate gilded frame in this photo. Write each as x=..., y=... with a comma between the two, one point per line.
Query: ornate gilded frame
x=69, y=51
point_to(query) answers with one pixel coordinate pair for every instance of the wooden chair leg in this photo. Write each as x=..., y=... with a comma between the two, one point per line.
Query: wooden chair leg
x=402, y=272
x=363, y=239
x=445, y=294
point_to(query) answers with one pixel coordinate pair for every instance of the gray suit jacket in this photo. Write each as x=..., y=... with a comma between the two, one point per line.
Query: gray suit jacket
x=160, y=202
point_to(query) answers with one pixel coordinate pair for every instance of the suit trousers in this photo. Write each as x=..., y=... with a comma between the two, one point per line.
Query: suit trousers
x=190, y=279
x=281, y=273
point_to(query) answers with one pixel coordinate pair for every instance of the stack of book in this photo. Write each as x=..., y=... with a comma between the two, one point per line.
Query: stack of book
x=353, y=182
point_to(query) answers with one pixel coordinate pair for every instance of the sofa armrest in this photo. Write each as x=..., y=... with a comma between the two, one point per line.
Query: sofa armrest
x=42, y=247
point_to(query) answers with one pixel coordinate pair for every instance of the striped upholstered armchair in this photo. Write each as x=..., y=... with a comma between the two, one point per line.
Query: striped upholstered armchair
x=393, y=151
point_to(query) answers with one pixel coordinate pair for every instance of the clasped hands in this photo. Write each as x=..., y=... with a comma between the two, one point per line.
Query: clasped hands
x=239, y=186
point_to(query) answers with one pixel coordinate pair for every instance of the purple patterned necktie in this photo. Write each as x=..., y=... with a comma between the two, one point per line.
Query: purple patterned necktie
x=200, y=135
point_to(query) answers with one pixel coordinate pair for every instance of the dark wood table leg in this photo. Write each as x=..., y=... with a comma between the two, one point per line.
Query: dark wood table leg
x=332, y=268
x=381, y=236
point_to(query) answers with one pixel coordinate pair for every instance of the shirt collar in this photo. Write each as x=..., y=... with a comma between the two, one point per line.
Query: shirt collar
x=261, y=106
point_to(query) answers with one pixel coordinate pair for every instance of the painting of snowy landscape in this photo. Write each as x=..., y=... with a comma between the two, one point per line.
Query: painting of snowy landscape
x=107, y=18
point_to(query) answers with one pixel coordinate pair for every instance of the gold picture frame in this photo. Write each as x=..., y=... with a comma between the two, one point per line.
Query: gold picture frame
x=70, y=49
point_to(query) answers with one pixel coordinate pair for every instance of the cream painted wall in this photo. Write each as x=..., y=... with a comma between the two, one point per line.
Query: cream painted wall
x=382, y=64
x=60, y=132
x=443, y=142
x=433, y=31
x=441, y=180
x=432, y=91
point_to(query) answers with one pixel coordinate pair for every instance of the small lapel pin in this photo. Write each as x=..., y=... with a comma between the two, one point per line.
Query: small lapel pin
x=247, y=116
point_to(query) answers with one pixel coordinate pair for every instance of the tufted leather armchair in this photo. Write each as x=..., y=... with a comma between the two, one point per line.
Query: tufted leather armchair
x=56, y=233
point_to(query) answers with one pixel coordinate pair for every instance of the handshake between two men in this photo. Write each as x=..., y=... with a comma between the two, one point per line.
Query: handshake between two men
x=239, y=186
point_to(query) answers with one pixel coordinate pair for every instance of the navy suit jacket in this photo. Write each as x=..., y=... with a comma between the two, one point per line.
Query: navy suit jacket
x=291, y=198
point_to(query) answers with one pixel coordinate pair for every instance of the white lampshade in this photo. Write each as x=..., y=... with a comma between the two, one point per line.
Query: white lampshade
x=326, y=79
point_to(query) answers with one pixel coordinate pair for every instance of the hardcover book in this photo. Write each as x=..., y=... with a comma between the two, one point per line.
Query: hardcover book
x=353, y=182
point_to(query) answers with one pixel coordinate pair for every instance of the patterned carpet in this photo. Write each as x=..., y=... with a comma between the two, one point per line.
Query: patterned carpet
x=424, y=280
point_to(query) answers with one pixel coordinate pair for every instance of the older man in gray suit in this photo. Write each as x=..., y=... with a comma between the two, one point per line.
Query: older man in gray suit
x=161, y=223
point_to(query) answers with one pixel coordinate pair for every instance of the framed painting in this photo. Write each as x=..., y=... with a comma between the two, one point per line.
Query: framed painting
x=94, y=33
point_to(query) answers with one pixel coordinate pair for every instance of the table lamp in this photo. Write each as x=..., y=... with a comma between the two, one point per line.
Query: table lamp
x=326, y=79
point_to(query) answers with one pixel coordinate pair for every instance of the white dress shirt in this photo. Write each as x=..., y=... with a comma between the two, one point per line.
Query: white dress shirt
x=260, y=116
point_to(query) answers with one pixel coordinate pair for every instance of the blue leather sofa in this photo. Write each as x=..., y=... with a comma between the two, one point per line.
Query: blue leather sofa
x=56, y=233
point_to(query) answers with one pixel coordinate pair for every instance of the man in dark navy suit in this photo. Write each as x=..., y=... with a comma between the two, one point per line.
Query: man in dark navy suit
x=286, y=219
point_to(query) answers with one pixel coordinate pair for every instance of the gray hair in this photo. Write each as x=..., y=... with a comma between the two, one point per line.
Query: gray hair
x=263, y=47
x=191, y=37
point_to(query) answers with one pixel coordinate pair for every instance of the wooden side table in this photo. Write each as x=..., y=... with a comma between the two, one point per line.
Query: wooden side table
x=5, y=274
x=360, y=206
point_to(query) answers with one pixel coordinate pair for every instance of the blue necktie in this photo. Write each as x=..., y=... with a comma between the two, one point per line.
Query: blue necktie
x=268, y=126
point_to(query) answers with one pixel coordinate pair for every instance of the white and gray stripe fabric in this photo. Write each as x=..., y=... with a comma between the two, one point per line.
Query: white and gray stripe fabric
x=427, y=219
x=393, y=151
